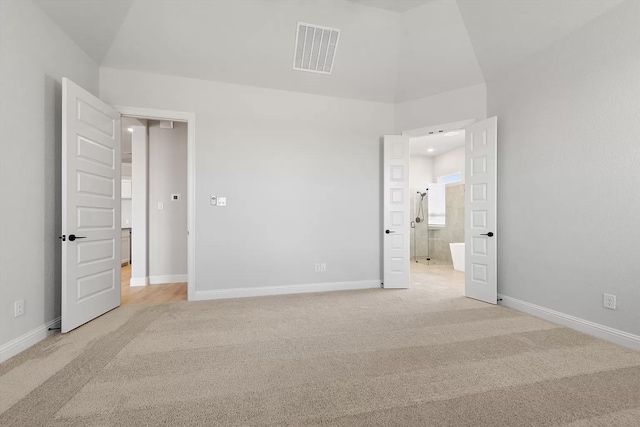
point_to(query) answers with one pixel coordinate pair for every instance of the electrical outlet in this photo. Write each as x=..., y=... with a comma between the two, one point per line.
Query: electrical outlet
x=609, y=301
x=323, y=267
x=317, y=267
x=18, y=308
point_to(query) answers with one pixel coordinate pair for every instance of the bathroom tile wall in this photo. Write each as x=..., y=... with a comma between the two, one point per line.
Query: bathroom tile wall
x=453, y=232
x=418, y=247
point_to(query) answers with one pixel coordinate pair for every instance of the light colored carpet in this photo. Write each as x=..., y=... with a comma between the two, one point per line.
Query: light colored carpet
x=420, y=357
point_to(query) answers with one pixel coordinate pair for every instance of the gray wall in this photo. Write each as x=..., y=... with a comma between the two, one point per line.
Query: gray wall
x=301, y=174
x=569, y=161
x=36, y=54
x=167, y=176
x=453, y=106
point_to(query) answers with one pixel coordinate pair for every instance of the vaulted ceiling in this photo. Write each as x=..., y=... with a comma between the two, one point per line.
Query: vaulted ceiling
x=389, y=50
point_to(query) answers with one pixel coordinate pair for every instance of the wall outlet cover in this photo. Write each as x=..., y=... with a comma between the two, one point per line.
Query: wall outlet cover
x=323, y=267
x=609, y=301
x=18, y=308
x=222, y=201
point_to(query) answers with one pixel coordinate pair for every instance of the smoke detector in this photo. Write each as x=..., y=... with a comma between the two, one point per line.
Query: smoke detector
x=315, y=48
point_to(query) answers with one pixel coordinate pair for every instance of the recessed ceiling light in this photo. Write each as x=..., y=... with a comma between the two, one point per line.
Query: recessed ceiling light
x=130, y=129
x=453, y=133
x=430, y=150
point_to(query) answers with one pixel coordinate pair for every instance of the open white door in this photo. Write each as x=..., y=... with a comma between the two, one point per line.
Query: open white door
x=396, y=231
x=90, y=206
x=481, y=272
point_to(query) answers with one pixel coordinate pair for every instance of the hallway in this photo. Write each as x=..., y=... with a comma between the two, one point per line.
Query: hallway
x=152, y=294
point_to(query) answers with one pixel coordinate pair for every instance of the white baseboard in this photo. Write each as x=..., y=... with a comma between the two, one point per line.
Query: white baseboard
x=139, y=281
x=175, y=278
x=25, y=341
x=283, y=290
x=585, y=326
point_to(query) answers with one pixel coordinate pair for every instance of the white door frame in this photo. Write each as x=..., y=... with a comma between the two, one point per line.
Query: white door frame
x=190, y=119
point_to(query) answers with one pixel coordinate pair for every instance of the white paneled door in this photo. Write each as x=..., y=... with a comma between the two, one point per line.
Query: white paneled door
x=396, y=226
x=481, y=281
x=90, y=207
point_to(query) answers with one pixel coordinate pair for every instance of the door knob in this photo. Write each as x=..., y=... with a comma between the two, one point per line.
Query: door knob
x=389, y=231
x=489, y=234
x=73, y=237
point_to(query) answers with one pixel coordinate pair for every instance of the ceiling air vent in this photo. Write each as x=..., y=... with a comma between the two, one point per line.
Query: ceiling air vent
x=315, y=48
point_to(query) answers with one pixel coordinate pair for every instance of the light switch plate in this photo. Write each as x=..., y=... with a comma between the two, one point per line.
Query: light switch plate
x=222, y=201
x=160, y=206
x=214, y=201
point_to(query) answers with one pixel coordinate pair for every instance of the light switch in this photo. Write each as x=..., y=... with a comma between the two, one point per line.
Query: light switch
x=222, y=201
x=160, y=206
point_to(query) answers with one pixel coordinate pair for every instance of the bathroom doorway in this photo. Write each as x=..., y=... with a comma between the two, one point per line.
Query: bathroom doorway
x=437, y=167
x=480, y=206
x=472, y=248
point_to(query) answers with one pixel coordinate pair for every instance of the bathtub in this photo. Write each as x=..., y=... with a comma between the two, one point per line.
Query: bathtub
x=457, y=255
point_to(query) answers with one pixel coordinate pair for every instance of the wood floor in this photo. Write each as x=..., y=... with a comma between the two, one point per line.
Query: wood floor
x=152, y=294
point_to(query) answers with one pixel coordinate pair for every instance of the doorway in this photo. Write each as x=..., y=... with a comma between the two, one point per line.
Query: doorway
x=91, y=232
x=402, y=212
x=155, y=207
x=436, y=171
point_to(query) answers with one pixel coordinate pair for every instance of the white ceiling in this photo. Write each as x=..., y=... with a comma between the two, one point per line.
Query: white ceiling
x=251, y=42
x=92, y=24
x=440, y=143
x=507, y=32
x=395, y=51
x=436, y=54
x=393, y=5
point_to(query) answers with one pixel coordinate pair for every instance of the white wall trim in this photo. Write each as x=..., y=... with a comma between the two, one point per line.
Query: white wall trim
x=175, y=278
x=585, y=326
x=285, y=290
x=25, y=341
x=190, y=118
x=139, y=281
